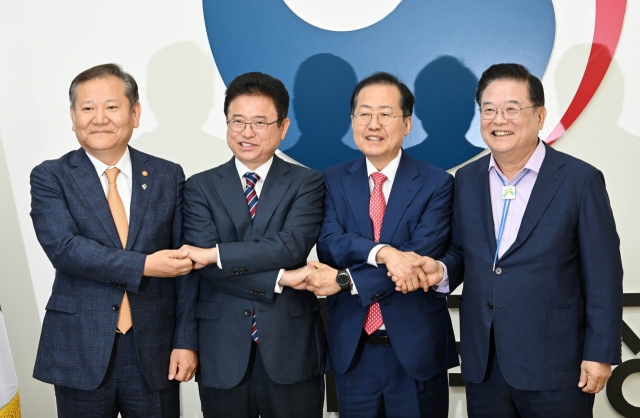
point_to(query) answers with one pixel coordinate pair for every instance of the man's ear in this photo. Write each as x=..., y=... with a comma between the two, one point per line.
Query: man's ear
x=137, y=111
x=284, y=126
x=72, y=111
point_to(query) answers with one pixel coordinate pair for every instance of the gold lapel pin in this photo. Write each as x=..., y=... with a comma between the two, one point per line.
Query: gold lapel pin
x=144, y=173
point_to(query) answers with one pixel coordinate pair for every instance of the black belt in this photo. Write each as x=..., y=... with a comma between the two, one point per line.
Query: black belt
x=373, y=339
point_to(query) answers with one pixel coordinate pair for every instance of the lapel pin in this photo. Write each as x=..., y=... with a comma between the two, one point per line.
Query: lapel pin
x=144, y=173
x=144, y=186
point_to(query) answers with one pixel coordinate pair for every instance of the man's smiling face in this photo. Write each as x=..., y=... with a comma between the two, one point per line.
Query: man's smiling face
x=252, y=148
x=511, y=137
x=380, y=143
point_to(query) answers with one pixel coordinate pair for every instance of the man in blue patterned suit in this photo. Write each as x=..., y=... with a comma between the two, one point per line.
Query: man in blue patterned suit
x=120, y=330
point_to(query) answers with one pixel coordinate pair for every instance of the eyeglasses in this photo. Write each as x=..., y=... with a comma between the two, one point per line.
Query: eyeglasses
x=489, y=112
x=384, y=118
x=238, y=125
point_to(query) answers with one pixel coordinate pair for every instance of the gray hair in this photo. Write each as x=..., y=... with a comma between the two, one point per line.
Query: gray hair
x=104, y=71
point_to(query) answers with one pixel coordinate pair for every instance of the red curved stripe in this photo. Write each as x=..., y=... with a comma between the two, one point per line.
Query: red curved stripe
x=609, y=19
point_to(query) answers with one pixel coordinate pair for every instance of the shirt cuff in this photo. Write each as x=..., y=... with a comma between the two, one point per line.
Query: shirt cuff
x=219, y=263
x=354, y=290
x=278, y=288
x=443, y=286
x=373, y=253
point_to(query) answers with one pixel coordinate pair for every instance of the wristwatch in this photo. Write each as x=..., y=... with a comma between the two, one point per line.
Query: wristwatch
x=344, y=280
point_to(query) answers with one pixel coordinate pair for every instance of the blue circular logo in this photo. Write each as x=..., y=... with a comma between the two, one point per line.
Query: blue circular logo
x=439, y=49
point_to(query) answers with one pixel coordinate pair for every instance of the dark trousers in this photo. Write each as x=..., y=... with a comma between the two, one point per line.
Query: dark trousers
x=257, y=395
x=376, y=386
x=494, y=397
x=124, y=390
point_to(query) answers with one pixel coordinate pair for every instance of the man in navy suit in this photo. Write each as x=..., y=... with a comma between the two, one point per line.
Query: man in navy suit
x=120, y=329
x=535, y=243
x=390, y=345
x=255, y=219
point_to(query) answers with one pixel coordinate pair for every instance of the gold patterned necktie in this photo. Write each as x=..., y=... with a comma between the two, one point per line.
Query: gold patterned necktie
x=122, y=225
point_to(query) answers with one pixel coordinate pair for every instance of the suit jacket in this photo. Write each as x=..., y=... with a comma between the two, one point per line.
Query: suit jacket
x=555, y=297
x=417, y=219
x=74, y=225
x=283, y=231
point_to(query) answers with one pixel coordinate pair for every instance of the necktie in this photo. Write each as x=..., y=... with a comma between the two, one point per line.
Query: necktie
x=252, y=202
x=377, y=206
x=250, y=192
x=122, y=225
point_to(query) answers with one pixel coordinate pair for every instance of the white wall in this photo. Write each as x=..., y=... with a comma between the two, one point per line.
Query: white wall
x=163, y=43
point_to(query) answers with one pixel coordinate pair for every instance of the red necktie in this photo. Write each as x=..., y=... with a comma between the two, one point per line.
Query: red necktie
x=377, y=206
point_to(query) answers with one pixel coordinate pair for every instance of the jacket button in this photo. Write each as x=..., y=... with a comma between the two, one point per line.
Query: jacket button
x=489, y=305
x=247, y=312
x=115, y=307
x=498, y=271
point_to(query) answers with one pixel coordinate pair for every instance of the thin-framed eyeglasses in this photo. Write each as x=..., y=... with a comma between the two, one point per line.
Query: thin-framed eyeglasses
x=511, y=112
x=238, y=125
x=384, y=118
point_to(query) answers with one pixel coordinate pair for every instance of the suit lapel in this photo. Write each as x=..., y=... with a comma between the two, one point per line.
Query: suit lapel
x=273, y=189
x=403, y=191
x=545, y=188
x=88, y=182
x=356, y=189
x=483, y=198
x=229, y=186
x=139, y=195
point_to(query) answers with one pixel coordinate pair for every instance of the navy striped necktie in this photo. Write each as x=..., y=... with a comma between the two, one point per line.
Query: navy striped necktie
x=252, y=201
x=250, y=192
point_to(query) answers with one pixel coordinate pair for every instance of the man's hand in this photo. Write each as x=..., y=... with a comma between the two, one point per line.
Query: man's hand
x=182, y=364
x=593, y=376
x=167, y=263
x=296, y=278
x=201, y=257
x=433, y=271
x=322, y=281
x=400, y=268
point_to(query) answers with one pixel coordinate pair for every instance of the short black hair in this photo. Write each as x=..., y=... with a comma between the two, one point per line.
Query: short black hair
x=259, y=84
x=407, y=98
x=104, y=71
x=515, y=72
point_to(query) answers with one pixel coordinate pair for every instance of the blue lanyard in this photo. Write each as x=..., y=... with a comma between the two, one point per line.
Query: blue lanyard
x=505, y=211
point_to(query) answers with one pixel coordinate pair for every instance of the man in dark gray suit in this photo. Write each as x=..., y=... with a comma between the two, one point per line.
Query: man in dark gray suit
x=120, y=331
x=255, y=219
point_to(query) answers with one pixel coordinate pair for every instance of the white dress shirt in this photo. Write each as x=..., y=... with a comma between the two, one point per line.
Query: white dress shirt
x=124, y=181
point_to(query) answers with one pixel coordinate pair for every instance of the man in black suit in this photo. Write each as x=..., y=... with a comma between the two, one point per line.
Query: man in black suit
x=255, y=220
x=119, y=331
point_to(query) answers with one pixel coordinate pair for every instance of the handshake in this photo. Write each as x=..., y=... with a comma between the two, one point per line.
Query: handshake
x=172, y=263
x=408, y=270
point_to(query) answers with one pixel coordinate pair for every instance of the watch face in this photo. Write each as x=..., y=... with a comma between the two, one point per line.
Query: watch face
x=343, y=279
